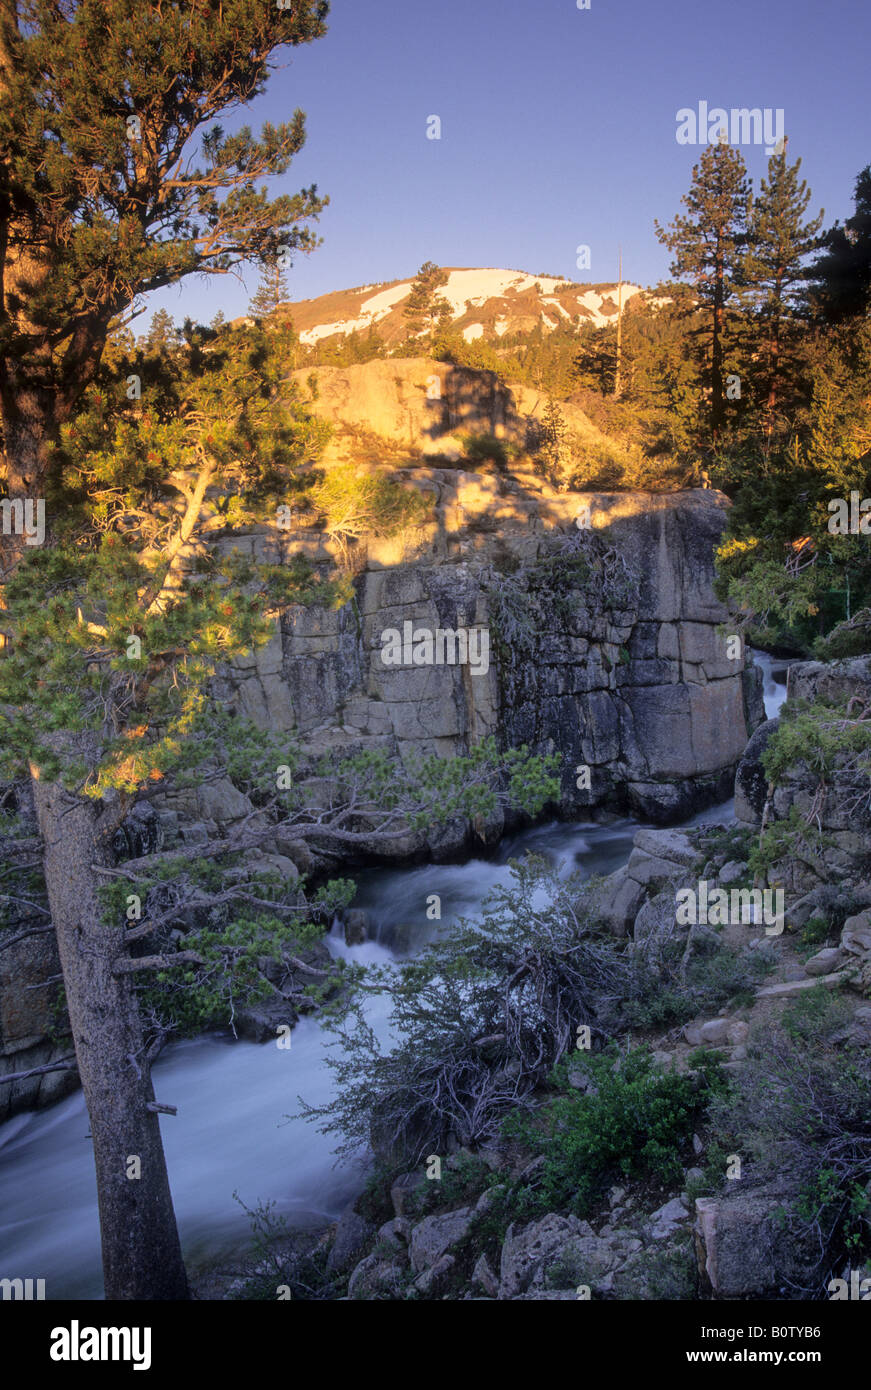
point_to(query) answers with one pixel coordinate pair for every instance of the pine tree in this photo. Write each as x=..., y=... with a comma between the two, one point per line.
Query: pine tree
x=595, y=362
x=552, y=446
x=114, y=183
x=271, y=292
x=424, y=308
x=842, y=275
x=103, y=198
x=707, y=246
x=161, y=335
x=778, y=243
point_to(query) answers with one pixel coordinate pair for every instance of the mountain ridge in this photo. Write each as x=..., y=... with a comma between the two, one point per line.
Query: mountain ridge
x=486, y=302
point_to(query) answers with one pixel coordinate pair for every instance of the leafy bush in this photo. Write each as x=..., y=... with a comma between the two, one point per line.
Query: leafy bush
x=486, y=448
x=355, y=505
x=633, y=1123
x=279, y=1258
x=463, y=1179
x=715, y=975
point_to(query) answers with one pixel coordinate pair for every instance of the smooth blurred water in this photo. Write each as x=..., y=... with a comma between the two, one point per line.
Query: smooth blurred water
x=774, y=671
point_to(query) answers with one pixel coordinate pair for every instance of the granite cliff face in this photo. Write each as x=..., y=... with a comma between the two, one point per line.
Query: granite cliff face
x=603, y=644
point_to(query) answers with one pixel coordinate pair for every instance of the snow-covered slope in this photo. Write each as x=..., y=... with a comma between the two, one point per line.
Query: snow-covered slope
x=485, y=303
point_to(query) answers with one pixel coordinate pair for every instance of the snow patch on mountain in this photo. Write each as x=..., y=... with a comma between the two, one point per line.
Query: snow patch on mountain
x=592, y=301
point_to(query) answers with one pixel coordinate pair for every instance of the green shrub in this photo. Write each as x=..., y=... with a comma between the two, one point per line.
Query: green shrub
x=463, y=1179
x=486, y=448
x=635, y=1124
x=814, y=934
x=716, y=975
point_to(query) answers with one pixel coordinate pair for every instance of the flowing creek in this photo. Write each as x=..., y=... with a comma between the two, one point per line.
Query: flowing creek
x=231, y=1134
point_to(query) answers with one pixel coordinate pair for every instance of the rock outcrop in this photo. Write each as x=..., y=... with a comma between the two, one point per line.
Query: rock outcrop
x=600, y=643
x=414, y=405
x=840, y=809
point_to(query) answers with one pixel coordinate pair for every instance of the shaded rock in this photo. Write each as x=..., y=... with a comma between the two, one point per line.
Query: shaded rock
x=356, y=927
x=715, y=1031
x=655, y=924
x=261, y=1022
x=733, y=872
x=433, y=1282
x=352, y=1236
x=376, y=1276
x=559, y=1246
x=222, y=802
x=670, y=845
x=433, y=1236
x=856, y=934
x=789, y=988
x=824, y=961
x=751, y=783
x=617, y=902
x=404, y=1187
x=667, y=1219
x=488, y=1198
x=297, y=850
x=483, y=1274
x=744, y=1249
x=396, y=1233
x=548, y=1296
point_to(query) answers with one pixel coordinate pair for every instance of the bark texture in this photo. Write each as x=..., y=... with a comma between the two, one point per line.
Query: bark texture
x=141, y=1249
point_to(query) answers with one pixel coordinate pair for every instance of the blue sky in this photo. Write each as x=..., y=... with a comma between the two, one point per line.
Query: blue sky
x=558, y=128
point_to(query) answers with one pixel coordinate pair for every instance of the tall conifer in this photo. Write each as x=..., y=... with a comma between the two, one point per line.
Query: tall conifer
x=707, y=246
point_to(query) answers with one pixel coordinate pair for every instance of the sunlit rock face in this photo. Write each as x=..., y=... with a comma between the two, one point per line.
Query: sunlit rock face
x=593, y=626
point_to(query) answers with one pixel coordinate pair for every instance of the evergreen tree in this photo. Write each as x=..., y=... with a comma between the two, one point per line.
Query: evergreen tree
x=424, y=307
x=595, y=362
x=842, y=274
x=778, y=243
x=102, y=199
x=707, y=246
x=103, y=196
x=161, y=335
x=271, y=292
x=552, y=445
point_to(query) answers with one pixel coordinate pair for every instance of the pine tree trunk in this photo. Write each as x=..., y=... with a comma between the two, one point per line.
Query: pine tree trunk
x=717, y=382
x=774, y=368
x=141, y=1250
